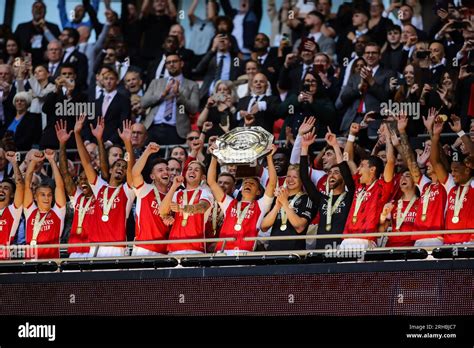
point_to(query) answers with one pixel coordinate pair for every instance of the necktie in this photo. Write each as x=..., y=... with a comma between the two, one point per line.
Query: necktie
x=52, y=68
x=119, y=70
x=105, y=104
x=217, y=77
x=255, y=100
x=101, y=93
x=169, y=106
x=260, y=60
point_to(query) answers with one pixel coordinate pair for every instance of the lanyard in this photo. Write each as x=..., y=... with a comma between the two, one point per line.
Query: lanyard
x=185, y=202
x=332, y=209
x=359, y=199
x=82, y=212
x=284, y=217
x=401, y=216
x=37, y=226
x=241, y=215
x=107, y=204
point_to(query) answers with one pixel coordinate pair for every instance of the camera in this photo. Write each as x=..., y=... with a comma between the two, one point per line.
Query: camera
x=306, y=87
x=422, y=54
x=219, y=97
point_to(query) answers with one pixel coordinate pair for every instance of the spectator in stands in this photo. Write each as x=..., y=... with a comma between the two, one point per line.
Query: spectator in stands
x=75, y=18
x=246, y=22
x=219, y=109
x=70, y=38
x=202, y=30
x=66, y=92
x=278, y=19
x=378, y=25
x=308, y=102
x=139, y=138
x=114, y=153
x=329, y=82
x=218, y=64
x=297, y=65
x=7, y=92
x=157, y=68
x=258, y=109
x=93, y=152
x=346, y=42
x=180, y=153
x=156, y=19
x=358, y=52
x=25, y=125
x=133, y=83
x=365, y=92
x=31, y=34
x=123, y=64
x=186, y=54
x=393, y=57
x=13, y=50
x=313, y=22
x=172, y=100
x=268, y=60
x=54, y=56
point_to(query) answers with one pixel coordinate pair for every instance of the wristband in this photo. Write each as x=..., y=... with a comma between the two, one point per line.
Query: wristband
x=461, y=133
x=351, y=138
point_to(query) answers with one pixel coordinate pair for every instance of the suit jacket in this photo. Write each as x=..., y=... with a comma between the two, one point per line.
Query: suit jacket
x=24, y=33
x=209, y=64
x=9, y=110
x=291, y=78
x=48, y=138
x=79, y=61
x=271, y=68
x=118, y=111
x=28, y=131
x=188, y=97
x=375, y=95
x=326, y=45
x=265, y=118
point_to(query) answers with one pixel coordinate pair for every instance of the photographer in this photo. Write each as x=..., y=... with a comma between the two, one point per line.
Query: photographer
x=219, y=109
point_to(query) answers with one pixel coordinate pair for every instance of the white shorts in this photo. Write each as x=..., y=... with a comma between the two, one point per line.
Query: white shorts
x=138, y=251
x=107, y=251
x=79, y=255
x=357, y=243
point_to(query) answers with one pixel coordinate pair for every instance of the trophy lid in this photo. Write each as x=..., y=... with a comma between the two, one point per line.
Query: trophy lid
x=243, y=145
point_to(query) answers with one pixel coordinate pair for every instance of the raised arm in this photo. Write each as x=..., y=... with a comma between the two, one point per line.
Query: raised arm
x=165, y=206
x=272, y=174
x=390, y=166
x=20, y=185
x=137, y=169
x=405, y=149
x=332, y=141
x=269, y=219
x=313, y=193
x=81, y=149
x=28, y=196
x=191, y=15
x=465, y=138
x=305, y=127
x=217, y=191
x=98, y=132
x=63, y=136
x=126, y=136
x=59, y=193
x=438, y=167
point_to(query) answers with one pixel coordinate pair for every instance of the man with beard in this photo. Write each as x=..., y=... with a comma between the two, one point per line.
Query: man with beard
x=242, y=218
x=149, y=224
x=81, y=196
x=334, y=204
x=11, y=205
x=191, y=208
x=313, y=22
x=44, y=222
x=114, y=197
x=281, y=162
x=459, y=184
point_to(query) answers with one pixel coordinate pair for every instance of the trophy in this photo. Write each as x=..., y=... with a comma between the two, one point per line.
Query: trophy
x=243, y=146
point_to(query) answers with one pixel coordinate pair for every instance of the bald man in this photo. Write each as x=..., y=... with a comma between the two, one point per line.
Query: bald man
x=438, y=62
x=139, y=138
x=258, y=109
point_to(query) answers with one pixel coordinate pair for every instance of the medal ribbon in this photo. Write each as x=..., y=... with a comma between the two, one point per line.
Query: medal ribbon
x=359, y=199
x=242, y=214
x=426, y=199
x=284, y=217
x=108, y=203
x=459, y=200
x=401, y=217
x=331, y=208
x=37, y=226
x=82, y=211
x=185, y=201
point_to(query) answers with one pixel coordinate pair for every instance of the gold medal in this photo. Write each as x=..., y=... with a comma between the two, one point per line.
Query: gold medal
x=328, y=227
x=79, y=230
x=423, y=217
x=283, y=227
x=354, y=219
x=105, y=218
x=455, y=219
x=33, y=243
x=184, y=222
x=237, y=227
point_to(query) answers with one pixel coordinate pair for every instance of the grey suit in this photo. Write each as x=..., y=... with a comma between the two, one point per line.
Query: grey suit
x=186, y=103
x=375, y=95
x=326, y=45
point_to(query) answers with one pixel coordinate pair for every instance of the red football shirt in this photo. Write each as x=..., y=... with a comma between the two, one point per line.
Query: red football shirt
x=466, y=214
x=88, y=224
x=434, y=210
x=250, y=223
x=9, y=221
x=50, y=231
x=368, y=216
x=408, y=224
x=196, y=222
x=149, y=225
x=114, y=229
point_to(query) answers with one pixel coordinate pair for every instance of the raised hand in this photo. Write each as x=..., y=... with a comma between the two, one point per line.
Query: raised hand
x=423, y=156
x=79, y=123
x=282, y=196
x=152, y=148
x=178, y=181
x=61, y=131
x=355, y=128
x=387, y=209
x=11, y=157
x=126, y=133
x=402, y=122
x=168, y=220
x=438, y=126
x=206, y=126
x=429, y=120
x=274, y=149
x=455, y=124
x=331, y=138
x=50, y=155
x=308, y=139
x=98, y=131
x=307, y=125
x=38, y=156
